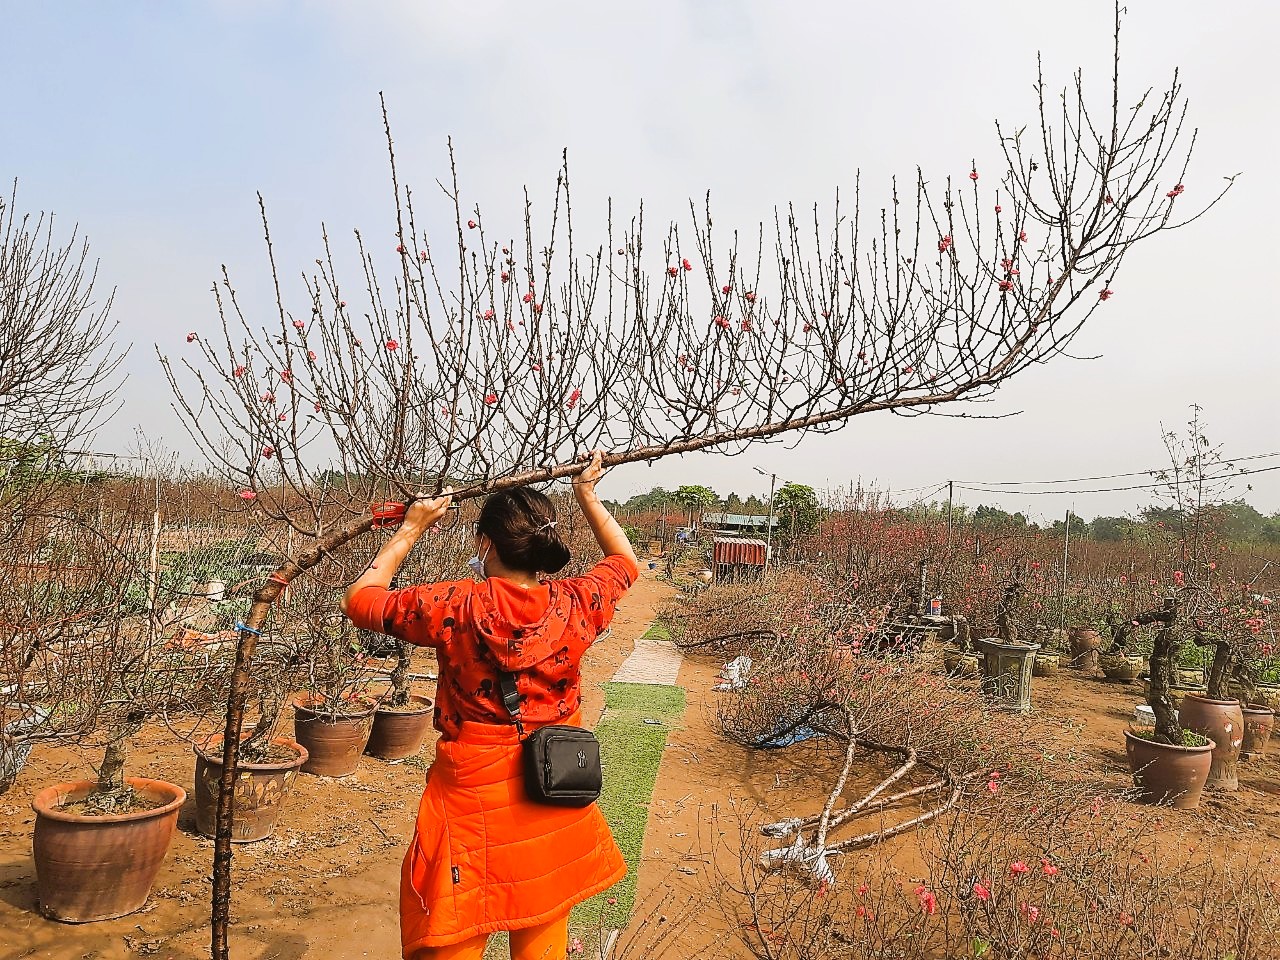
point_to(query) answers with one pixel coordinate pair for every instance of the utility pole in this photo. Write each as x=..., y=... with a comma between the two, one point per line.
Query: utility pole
x=768, y=530
x=950, y=491
x=1062, y=603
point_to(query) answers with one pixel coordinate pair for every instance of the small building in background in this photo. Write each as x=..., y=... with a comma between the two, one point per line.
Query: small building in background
x=737, y=522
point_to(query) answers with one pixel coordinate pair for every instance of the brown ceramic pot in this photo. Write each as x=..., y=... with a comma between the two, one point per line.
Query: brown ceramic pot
x=95, y=868
x=1222, y=721
x=1189, y=676
x=1085, y=642
x=1259, y=720
x=1121, y=668
x=261, y=790
x=1165, y=773
x=1046, y=664
x=958, y=663
x=333, y=743
x=1267, y=695
x=1176, y=693
x=398, y=733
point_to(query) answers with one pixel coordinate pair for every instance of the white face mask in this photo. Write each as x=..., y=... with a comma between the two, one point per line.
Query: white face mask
x=476, y=564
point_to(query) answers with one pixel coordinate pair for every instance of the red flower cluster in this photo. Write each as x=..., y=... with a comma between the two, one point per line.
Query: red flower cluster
x=928, y=900
x=944, y=244
x=1175, y=192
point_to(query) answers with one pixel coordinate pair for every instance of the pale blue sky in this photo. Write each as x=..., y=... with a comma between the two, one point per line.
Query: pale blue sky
x=154, y=124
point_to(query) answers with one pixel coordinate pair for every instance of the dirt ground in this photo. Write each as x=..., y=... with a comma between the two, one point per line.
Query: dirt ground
x=707, y=787
x=326, y=883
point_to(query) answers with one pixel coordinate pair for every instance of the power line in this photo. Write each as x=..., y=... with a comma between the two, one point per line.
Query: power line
x=1109, y=476
x=1141, y=486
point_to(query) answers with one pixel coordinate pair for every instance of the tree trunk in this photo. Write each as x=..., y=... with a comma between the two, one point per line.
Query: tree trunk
x=1162, y=675
x=400, y=676
x=111, y=773
x=1220, y=672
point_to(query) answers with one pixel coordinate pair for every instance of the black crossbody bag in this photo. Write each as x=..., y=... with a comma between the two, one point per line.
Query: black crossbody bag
x=561, y=763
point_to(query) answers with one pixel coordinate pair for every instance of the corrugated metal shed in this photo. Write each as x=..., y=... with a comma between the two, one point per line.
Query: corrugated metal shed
x=737, y=520
x=742, y=551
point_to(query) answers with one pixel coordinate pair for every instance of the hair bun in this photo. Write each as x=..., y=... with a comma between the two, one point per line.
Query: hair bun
x=549, y=551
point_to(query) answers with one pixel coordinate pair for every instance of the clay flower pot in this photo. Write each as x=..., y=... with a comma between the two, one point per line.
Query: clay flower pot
x=96, y=868
x=1222, y=721
x=958, y=663
x=333, y=742
x=1189, y=676
x=1167, y=773
x=1046, y=664
x=1259, y=720
x=398, y=731
x=1121, y=668
x=1085, y=642
x=261, y=790
x=1268, y=694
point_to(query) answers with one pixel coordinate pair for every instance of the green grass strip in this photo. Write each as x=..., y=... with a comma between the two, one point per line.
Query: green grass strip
x=657, y=631
x=630, y=752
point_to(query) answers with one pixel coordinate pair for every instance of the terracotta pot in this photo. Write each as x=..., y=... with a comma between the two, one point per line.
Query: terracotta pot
x=333, y=743
x=958, y=663
x=1121, y=668
x=1085, y=642
x=1222, y=721
x=1268, y=694
x=1167, y=773
x=261, y=790
x=1006, y=673
x=96, y=868
x=1259, y=721
x=1046, y=664
x=1189, y=676
x=399, y=733
x=1176, y=694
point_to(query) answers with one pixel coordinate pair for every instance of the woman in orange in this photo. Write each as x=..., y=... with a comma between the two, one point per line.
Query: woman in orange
x=484, y=857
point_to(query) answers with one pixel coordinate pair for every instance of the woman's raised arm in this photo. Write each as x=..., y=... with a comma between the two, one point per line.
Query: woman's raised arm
x=607, y=530
x=421, y=515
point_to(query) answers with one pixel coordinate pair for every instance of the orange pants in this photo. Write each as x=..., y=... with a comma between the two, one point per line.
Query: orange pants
x=550, y=941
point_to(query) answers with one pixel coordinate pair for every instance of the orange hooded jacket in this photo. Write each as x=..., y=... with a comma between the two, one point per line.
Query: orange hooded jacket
x=483, y=856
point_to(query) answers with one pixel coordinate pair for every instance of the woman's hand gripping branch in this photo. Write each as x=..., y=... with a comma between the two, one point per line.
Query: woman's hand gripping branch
x=420, y=517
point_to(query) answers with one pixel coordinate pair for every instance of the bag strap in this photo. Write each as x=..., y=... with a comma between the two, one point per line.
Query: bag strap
x=511, y=699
